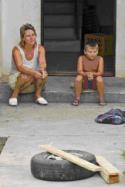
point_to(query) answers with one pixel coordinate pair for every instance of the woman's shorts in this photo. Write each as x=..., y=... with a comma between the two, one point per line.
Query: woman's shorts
x=12, y=83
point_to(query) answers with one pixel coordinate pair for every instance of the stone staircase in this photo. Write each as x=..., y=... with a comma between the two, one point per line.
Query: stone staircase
x=60, y=37
x=58, y=90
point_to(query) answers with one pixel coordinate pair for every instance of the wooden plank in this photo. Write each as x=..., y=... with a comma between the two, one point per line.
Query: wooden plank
x=72, y=158
x=108, y=172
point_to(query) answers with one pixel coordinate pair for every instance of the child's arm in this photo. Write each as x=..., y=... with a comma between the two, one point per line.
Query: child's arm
x=80, y=66
x=100, y=68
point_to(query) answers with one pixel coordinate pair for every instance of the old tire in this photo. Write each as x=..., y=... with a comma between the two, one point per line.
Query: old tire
x=60, y=170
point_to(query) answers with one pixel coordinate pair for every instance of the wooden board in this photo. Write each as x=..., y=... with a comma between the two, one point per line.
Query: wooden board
x=108, y=172
x=72, y=158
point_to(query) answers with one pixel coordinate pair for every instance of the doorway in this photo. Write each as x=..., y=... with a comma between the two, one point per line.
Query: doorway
x=67, y=24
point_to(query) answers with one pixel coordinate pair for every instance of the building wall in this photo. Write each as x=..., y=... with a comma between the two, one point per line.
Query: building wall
x=14, y=14
x=120, y=39
x=0, y=40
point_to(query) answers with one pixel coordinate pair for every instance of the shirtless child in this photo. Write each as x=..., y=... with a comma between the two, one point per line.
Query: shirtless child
x=91, y=67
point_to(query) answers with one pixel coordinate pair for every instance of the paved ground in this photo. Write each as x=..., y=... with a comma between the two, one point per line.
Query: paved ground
x=61, y=125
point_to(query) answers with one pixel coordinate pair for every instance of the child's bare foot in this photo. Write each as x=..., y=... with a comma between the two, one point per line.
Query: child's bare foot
x=102, y=101
x=76, y=102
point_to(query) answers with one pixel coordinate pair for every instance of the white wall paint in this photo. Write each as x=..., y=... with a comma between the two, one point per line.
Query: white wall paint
x=0, y=39
x=14, y=14
x=120, y=39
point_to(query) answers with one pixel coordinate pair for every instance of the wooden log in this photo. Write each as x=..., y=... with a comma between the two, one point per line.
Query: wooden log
x=72, y=158
x=108, y=172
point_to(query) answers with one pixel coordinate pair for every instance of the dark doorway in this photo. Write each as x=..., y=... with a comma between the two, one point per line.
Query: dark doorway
x=68, y=23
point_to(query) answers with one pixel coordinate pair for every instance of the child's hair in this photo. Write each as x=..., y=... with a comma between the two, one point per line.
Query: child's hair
x=91, y=43
x=23, y=28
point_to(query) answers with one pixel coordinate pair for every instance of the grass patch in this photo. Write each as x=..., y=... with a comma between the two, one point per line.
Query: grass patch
x=2, y=142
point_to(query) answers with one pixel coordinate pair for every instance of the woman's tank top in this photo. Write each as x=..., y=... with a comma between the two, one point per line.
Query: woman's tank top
x=90, y=65
x=33, y=63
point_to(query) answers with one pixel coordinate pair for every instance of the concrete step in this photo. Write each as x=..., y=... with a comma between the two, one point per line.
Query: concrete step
x=59, y=34
x=59, y=21
x=59, y=0
x=58, y=7
x=62, y=46
x=58, y=89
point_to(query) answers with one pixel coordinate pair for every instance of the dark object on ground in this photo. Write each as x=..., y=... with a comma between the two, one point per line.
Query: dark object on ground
x=46, y=166
x=113, y=116
x=2, y=143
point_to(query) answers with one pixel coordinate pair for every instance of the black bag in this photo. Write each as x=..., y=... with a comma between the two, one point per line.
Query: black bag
x=113, y=116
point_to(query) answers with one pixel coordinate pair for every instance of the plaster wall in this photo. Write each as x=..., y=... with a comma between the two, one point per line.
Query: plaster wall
x=0, y=40
x=14, y=14
x=120, y=39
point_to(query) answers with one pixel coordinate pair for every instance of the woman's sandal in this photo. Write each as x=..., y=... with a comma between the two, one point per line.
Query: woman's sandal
x=41, y=101
x=76, y=102
x=13, y=101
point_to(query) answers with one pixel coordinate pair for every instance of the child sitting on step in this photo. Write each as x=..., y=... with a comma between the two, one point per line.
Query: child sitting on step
x=90, y=68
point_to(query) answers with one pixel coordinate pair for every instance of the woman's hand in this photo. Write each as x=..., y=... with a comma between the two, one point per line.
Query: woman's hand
x=38, y=75
x=43, y=72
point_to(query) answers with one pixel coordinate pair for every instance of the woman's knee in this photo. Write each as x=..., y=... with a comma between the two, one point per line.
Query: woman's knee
x=25, y=78
x=42, y=81
x=45, y=78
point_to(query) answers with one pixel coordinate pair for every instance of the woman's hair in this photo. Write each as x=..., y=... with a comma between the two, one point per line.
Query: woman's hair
x=23, y=28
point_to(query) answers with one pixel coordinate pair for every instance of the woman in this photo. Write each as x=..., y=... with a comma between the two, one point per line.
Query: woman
x=28, y=67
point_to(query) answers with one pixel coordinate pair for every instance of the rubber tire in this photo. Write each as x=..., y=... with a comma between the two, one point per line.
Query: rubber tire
x=60, y=170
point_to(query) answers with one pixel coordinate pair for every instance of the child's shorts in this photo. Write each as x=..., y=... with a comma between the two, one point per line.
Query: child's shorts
x=89, y=84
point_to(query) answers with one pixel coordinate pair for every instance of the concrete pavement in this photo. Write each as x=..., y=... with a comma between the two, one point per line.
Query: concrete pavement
x=61, y=125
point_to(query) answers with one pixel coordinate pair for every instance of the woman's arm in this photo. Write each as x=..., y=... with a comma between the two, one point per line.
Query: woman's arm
x=41, y=58
x=100, y=68
x=20, y=67
x=42, y=61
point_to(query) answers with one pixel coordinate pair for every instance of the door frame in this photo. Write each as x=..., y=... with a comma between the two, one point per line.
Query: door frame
x=42, y=22
x=114, y=36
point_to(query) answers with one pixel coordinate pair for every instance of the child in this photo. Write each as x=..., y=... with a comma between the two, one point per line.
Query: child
x=91, y=67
